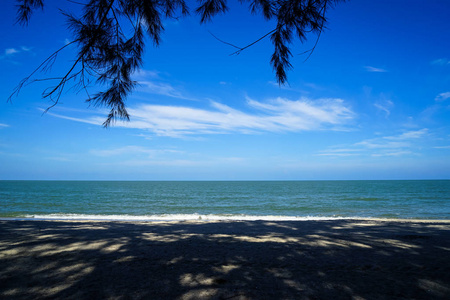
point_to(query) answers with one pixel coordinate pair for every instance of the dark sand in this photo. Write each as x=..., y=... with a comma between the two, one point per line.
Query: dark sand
x=338, y=259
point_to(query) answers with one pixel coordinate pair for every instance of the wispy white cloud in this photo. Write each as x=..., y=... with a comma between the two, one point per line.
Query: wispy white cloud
x=341, y=152
x=442, y=96
x=163, y=162
x=442, y=147
x=393, y=141
x=162, y=88
x=441, y=62
x=305, y=114
x=209, y=162
x=382, y=144
x=152, y=82
x=385, y=106
x=97, y=120
x=394, y=153
x=280, y=86
x=287, y=87
x=60, y=158
x=277, y=115
x=143, y=74
x=392, y=145
x=3, y=125
x=375, y=70
x=140, y=157
x=132, y=151
x=11, y=51
x=413, y=134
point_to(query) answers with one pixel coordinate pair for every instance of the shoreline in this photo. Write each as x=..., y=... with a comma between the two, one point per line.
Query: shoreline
x=210, y=218
x=317, y=259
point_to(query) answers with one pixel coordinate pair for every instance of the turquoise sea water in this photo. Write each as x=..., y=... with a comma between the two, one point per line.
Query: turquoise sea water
x=245, y=200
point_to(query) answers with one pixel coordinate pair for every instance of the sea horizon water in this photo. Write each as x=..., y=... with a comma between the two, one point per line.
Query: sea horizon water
x=224, y=200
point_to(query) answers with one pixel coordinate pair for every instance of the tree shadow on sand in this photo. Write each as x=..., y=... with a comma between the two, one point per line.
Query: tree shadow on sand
x=339, y=259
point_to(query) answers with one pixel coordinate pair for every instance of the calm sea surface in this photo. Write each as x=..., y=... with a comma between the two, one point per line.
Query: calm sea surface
x=241, y=200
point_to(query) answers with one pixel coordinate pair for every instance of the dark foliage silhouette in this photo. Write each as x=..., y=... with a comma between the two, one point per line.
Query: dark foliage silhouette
x=108, y=56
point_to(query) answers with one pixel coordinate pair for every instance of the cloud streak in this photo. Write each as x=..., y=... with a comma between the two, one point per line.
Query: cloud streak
x=393, y=145
x=161, y=88
x=442, y=96
x=152, y=83
x=385, y=106
x=141, y=157
x=441, y=62
x=132, y=151
x=277, y=115
x=10, y=52
x=375, y=70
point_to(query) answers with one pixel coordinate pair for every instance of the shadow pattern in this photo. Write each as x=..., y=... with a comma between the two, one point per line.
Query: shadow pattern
x=338, y=259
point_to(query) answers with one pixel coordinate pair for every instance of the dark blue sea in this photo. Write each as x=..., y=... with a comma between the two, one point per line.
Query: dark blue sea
x=225, y=200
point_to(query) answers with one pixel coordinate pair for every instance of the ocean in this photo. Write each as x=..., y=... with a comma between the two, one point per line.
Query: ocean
x=225, y=200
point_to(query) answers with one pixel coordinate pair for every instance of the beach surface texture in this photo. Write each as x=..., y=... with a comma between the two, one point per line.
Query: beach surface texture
x=324, y=259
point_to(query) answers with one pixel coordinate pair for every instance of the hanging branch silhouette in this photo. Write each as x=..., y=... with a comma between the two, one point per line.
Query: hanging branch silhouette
x=108, y=57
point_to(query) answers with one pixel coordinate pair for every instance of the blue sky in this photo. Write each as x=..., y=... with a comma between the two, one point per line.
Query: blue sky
x=372, y=102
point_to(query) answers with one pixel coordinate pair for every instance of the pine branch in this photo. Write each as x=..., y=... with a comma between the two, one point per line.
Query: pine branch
x=42, y=67
x=109, y=56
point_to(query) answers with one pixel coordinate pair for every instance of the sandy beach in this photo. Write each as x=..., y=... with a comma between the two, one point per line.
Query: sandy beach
x=335, y=259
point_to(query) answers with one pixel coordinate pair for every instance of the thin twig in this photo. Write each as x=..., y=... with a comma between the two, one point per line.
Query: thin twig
x=61, y=84
x=76, y=2
x=320, y=32
x=251, y=44
x=224, y=41
x=42, y=66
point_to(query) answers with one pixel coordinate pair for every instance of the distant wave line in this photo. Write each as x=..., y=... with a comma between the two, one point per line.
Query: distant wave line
x=179, y=217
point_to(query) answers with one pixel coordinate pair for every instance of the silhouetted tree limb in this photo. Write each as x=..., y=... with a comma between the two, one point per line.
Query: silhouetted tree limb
x=108, y=56
x=25, y=9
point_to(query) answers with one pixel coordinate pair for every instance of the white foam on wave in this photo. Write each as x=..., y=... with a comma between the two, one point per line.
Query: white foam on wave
x=178, y=217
